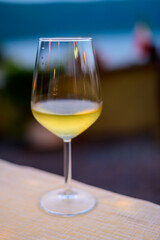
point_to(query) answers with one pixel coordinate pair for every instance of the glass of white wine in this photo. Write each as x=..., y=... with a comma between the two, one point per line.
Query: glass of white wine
x=66, y=100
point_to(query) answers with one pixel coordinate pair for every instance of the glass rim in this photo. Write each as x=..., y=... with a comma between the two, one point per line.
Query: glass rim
x=64, y=39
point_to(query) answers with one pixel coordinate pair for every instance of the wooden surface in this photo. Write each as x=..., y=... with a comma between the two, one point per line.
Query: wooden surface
x=115, y=216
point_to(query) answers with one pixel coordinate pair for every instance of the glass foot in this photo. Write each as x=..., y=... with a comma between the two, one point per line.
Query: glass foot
x=58, y=202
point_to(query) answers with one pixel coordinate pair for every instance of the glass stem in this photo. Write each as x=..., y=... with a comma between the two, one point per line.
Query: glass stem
x=67, y=166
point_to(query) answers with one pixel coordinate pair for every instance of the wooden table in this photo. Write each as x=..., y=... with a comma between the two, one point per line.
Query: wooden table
x=115, y=216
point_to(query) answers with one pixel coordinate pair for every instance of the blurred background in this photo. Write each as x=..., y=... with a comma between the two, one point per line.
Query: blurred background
x=121, y=151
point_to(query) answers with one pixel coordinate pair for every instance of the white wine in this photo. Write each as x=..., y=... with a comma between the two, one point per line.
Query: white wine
x=66, y=118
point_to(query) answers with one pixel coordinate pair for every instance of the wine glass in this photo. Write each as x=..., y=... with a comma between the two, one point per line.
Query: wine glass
x=66, y=99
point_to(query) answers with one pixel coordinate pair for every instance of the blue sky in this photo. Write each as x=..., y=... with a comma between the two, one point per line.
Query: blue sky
x=75, y=17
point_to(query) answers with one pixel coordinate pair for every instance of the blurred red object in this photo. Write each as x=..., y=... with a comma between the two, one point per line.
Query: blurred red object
x=144, y=42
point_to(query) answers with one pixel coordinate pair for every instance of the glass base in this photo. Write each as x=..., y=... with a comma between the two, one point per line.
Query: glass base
x=59, y=202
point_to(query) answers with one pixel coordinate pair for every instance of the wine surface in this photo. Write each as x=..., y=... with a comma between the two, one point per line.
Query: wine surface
x=66, y=118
